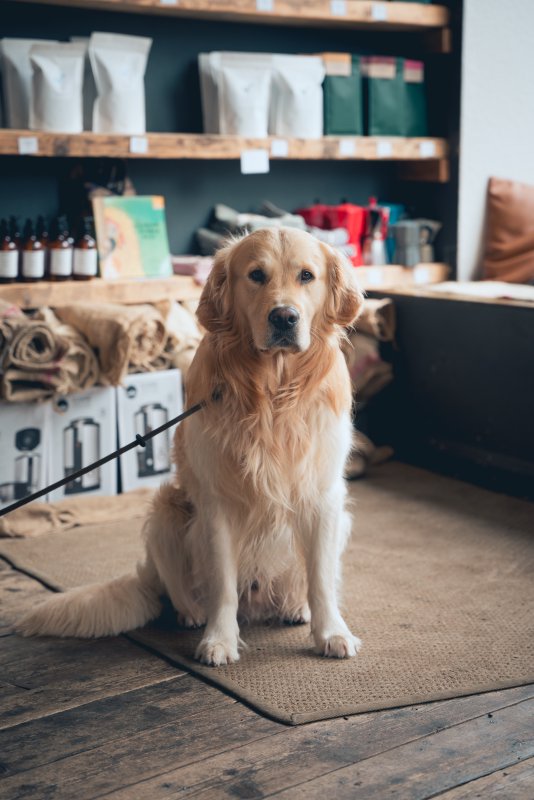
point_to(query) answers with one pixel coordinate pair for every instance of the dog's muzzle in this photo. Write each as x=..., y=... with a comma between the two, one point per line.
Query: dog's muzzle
x=283, y=322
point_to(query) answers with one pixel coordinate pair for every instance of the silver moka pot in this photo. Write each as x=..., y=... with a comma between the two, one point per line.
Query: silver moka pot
x=414, y=241
x=153, y=459
x=81, y=446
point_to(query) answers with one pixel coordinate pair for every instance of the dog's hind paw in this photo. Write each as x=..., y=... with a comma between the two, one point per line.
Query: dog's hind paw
x=340, y=646
x=216, y=654
x=191, y=622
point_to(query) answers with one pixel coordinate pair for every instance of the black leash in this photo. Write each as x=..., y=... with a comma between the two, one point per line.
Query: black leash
x=138, y=441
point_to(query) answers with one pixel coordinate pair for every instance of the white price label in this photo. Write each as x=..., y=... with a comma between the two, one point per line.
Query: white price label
x=279, y=148
x=265, y=5
x=379, y=12
x=28, y=145
x=254, y=162
x=168, y=2
x=338, y=8
x=427, y=149
x=138, y=144
x=384, y=149
x=374, y=276
x=347, y=147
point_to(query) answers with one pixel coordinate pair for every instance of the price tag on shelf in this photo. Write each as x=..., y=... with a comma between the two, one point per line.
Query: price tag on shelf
x=374, y=275
x=379, y=12
x=28, y=145
x=338, y=8
x=427, y=149
x=279, y=148
x=138, y=144
x=384, y=149
x=254, y=162
x=265, y=5
x=168, y=2
x=347, y=148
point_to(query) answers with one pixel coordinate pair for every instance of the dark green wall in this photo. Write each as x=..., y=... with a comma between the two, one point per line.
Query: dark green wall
x=30, y=186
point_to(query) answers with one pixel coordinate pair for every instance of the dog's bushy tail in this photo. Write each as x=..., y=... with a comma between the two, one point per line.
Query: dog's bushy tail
x=104, y=609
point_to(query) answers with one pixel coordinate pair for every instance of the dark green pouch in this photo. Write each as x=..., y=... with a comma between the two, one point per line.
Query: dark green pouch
x=343, y=109
x=394, y=97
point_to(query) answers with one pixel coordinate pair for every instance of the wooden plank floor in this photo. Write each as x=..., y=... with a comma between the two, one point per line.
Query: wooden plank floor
x=108, y=719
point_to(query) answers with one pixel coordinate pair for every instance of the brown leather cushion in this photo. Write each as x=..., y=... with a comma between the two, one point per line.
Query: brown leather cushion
x=509, y=245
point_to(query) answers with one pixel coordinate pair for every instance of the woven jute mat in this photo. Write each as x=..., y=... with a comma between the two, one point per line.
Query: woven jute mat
x=438, y=582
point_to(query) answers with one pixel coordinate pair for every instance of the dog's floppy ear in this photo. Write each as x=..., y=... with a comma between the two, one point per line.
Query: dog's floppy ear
x=213, y=306
x=345, y=298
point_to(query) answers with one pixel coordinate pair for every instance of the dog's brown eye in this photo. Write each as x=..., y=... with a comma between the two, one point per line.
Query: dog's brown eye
x=306, y=276
x=258, y=276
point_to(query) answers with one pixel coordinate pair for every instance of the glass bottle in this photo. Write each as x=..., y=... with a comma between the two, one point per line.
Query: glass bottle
x=9, y=255
x=33, y=255
x=60, y=251
x=85, y=264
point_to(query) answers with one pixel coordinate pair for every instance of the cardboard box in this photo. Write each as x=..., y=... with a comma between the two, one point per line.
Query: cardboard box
x=145, y=402
x=84, y=429
x=24, y=448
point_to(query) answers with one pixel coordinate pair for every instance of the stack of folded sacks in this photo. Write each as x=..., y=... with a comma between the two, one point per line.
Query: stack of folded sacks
x=227, y=221
x=369, y=374
x=125, y=338
x=41, y=357
x=139, y=338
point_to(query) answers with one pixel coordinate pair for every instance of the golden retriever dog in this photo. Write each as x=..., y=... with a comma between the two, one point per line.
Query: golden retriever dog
x=257, y=525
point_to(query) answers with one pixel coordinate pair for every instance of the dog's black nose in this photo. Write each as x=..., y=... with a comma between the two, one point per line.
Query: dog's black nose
x=283, y=318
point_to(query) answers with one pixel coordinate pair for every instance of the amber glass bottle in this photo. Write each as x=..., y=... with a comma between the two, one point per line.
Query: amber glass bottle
x=33, y=255
x=9, y=255
x=60, y=251
x=85, y=264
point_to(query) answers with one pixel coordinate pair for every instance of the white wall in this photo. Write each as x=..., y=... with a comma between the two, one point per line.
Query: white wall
x=497, y=112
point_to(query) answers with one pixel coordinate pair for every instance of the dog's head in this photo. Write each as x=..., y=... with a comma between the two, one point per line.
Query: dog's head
x=280, y=287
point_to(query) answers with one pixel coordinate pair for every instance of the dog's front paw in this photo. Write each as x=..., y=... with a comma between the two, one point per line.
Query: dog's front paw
x=297, y=616
x=216, y=653
x=339, y=645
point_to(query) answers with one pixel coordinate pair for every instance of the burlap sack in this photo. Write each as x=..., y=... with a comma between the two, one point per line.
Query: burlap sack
x=41, y=357
x=123, y=336
x=37, y=519
x=377, y=319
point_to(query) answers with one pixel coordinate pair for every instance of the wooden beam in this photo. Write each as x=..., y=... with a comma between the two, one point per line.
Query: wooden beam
x=362, y=14
x=209, y=146
x=52, y=293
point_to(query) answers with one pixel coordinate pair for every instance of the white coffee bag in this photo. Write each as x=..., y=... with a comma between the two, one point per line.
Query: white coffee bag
x=17, y=80
x=244, y=99
x=57, y=80
x=89, y=87
x=297, y=96
x=235, y=90
x=119, y=65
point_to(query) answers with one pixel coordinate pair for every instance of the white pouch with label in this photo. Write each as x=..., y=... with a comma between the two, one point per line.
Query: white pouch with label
x=57, y=80
x=119, y=64
x=89, y=88
x=244, y=92
x=225, y=81
x=297, y=96
x=17, y=80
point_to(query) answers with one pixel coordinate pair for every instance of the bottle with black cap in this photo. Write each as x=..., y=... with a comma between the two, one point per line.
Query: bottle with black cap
x=85, y=264
x=60, y=251
x=9, y=255
x=33, y=255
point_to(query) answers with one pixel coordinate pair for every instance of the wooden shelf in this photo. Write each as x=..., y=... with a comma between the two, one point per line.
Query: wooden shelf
x=181, y=287
x=388, y=16
x=148, y=290
x=206, y=146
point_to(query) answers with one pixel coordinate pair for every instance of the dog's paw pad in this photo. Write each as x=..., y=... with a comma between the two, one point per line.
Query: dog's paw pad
x=190, y=622
x=216, y=654
x=341, y=646
x=301, y=616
